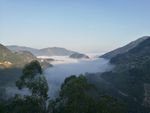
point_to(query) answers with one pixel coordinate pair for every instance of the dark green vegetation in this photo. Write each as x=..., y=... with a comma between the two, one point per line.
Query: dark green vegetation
x=130, y=80
x=76, y=96
x=78, y=56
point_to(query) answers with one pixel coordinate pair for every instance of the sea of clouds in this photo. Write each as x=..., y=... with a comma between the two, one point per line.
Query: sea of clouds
x=66, y=67
x=63, y=67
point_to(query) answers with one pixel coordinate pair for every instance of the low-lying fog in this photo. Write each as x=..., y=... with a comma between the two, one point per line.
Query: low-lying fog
x=64, y=67
x=60, y=70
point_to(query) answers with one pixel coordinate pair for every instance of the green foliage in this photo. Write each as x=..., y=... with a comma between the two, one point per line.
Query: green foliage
x=33, y=80
x=76, y=97
x=2, y=108
x=108, y=104
x=75, y=92
x=37, y=85
x=74, y=85
x=27, y=104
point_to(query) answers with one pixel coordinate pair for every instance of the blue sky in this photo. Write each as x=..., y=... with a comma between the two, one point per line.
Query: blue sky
x=82, y=25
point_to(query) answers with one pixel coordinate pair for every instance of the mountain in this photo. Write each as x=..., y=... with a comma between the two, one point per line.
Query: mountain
x=15, y=48
x=9, y=59
x=78, y=56
x=125, y=48
x=133, y=70
x=14, y=59
x=51, y=51
x=55, y=51
x=130, y=79
x=4, y=52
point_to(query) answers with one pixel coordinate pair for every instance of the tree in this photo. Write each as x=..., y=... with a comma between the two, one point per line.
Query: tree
x=108, y=104
x=74, y=97
x=33, y=80
x=78, y=96
x=74, y=93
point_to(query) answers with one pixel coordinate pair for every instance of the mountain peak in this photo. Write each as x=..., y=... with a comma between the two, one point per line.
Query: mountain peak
x=125, y=48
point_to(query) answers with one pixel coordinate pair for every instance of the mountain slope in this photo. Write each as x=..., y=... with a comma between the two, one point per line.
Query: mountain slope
x=140, y=53
x=125, y=48
x=131, y=76
x=4, y=52
x=130, y=79
x=14, y=59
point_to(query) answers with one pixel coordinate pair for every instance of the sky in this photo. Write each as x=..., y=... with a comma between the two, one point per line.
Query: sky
x=81, y=25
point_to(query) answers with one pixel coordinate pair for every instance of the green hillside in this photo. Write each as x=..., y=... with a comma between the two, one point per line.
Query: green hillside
x=131, y=75
x=17, y=59
x=130, y=78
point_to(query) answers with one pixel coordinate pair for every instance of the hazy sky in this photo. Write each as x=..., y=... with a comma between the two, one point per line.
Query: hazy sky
x=83, y=25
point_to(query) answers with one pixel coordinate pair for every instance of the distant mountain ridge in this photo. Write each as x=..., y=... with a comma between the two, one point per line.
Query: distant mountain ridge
x=125, y=48
x=50, y=51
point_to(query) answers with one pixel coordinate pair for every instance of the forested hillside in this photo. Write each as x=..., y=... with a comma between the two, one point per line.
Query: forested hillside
x=130, y=78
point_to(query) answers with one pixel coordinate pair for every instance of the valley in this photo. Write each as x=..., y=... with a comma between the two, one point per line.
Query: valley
x=74, y=56
x=122, y=73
